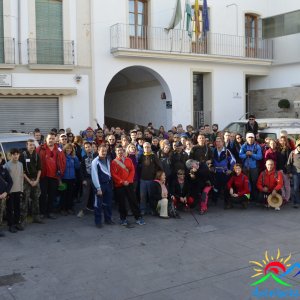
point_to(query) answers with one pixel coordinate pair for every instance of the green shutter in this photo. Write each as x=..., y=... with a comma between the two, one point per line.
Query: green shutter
x=49, y=32
x=1, y=33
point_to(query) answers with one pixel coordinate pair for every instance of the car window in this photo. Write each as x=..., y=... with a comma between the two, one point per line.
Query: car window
x=263, y=135
x=7, y=146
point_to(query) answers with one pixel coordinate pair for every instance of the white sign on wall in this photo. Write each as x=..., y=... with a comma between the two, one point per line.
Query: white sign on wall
x=5, y=80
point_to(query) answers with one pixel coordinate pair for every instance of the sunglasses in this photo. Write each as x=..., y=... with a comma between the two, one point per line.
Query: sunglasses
x=251, y=119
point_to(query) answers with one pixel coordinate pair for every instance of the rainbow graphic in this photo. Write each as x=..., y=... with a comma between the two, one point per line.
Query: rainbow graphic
x=275, y=268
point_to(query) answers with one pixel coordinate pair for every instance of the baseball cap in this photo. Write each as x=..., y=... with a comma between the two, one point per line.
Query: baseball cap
x=249, y=134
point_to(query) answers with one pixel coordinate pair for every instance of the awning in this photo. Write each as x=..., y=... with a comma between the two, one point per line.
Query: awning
x=38, y=91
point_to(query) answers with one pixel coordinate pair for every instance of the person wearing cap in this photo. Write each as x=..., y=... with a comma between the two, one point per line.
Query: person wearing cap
x=89, y=134
x=252, y=125
x=269, y=182
x=63, y=140
x=293, y=169
x=251, y=154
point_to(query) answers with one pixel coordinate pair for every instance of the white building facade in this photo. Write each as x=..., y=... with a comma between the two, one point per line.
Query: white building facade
x=45, y=64
x=115, y=61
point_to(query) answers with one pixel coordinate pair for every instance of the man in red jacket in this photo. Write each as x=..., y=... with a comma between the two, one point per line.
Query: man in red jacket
x=269, y=182
x=122, y=172
x=53, y=163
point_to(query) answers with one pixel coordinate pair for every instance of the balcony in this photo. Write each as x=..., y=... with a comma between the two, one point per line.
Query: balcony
x=145, y=41
x=47, y=52
x=7, y=51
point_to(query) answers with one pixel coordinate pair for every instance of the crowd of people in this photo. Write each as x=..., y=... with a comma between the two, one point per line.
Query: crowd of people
x=149, y=172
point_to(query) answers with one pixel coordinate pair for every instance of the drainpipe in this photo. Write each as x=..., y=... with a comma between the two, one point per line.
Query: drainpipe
x=19, y=33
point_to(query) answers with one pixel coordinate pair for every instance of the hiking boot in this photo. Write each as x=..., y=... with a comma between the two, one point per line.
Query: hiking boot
x=19, y=227
x=140, y=221
x=2, y=234
x=110, y=222
x=124, y=222
x=80, y=214
x=12, y=229
x=277, y=208
x=99, y=225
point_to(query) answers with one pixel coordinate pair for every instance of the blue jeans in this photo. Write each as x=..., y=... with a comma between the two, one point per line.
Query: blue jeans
x=145, y=190
x=295, y=193
x=104, y=203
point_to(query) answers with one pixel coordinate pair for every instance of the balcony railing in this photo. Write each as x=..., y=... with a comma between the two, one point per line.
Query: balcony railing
x=50, y=52
x=7, y=50
x=157, y=39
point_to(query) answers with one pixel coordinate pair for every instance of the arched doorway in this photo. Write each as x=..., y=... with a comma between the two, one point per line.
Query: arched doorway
x=136, y=96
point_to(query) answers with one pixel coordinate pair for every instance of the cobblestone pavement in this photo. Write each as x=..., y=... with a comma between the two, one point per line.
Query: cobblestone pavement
x=69, y=258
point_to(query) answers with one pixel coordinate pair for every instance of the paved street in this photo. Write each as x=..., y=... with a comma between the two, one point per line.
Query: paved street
x=69, y=258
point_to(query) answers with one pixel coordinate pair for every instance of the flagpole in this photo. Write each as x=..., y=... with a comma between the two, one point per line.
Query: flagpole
x=183, y=23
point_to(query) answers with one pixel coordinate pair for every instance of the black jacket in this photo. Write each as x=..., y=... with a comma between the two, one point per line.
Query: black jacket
x=6, y=182
x=177, y=191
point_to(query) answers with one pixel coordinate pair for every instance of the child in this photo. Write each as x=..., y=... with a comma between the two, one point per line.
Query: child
x=15, y=170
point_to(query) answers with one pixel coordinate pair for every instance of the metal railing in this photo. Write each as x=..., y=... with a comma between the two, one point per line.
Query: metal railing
x=198, y=118
x=48, y=51
x=7, y=50
x=123, y=36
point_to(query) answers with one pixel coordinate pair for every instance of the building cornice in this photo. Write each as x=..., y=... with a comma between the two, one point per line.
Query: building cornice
x=121, y=52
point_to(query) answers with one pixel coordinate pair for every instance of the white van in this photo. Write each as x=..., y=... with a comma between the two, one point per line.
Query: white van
x=13, y=140
x=268, y=127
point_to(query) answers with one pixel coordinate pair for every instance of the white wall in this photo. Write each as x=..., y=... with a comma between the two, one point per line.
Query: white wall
x=139, y=105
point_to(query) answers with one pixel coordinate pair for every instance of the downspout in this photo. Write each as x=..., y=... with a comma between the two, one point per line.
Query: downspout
x=19, y=33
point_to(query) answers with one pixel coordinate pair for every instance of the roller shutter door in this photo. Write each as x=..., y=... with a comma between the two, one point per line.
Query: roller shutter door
x=25, y=114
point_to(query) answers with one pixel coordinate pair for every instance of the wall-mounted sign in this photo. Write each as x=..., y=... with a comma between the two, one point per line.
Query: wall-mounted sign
x=168, y=104
x=5, y=80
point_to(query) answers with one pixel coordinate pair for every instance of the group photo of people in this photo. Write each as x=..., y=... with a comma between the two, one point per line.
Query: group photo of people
x=145, y=172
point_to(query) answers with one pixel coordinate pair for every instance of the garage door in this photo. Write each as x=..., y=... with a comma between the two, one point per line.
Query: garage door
x=25, y=114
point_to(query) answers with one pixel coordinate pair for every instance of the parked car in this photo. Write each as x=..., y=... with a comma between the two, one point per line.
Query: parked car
x=268, y=127
x=13, y=140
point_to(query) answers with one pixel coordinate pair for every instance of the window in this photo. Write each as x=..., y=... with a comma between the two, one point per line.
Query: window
x=49, y=32
x=281, y=25
x=138, y=21
x=252, y=32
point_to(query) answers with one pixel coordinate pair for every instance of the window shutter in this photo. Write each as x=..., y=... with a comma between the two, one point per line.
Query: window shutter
x=49, y=32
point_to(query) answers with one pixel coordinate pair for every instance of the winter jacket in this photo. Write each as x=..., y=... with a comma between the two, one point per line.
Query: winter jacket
x=239, y=184
x=72, y=164
x=293, y=163
x=272, y=180
x=120, y=174
x=250, y=162
x=149, y=165
x=6, y=182
x=177, y=190
x=53, y=162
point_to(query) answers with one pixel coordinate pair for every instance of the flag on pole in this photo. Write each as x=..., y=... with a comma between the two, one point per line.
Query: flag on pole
x=177, y=16
x=205, y=19
x=197, y=21
x=188, y=11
